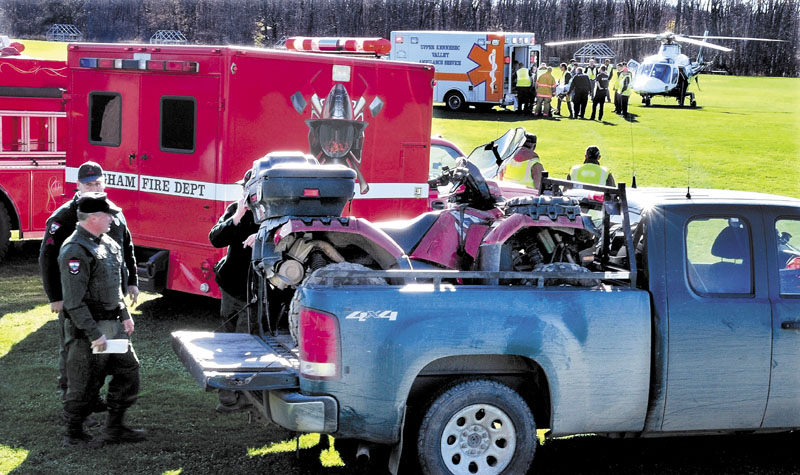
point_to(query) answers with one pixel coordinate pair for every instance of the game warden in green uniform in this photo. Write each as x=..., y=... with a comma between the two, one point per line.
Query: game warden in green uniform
x=91, y=265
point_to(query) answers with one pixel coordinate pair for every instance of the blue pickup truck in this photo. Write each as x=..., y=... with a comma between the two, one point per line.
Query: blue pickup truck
x=698, y=333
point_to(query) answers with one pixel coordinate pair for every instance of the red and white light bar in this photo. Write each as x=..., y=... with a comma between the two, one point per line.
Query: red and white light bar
x=376, y=46
x=141, y=64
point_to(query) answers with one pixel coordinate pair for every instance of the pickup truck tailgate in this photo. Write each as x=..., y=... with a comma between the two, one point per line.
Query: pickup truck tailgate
x=238, y=361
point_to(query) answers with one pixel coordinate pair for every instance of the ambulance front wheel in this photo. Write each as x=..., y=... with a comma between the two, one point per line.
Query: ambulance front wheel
x=454, y=101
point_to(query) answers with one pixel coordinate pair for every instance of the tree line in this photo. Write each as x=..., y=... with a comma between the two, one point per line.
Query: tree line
x=268, y=22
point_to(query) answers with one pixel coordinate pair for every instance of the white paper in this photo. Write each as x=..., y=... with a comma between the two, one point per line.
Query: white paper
x=114, y=346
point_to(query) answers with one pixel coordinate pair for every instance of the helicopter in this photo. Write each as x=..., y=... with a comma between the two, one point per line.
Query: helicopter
x=668, y=72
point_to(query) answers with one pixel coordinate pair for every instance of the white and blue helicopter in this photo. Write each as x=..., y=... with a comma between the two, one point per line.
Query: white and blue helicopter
x=668, y=72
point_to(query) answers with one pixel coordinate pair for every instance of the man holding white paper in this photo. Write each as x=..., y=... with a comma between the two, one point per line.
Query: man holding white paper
x=91, y=263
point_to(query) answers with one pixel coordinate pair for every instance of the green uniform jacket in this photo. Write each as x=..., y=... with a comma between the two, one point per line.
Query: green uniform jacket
x=60, y=225
x=91, y=280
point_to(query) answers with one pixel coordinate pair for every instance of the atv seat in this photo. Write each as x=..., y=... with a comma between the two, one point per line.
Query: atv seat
x=409, y=232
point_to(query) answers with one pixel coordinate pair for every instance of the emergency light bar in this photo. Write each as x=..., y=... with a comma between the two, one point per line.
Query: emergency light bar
x=143, y=64
x=376, y=46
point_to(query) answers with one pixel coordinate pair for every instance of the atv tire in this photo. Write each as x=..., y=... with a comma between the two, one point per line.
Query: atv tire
x=294, y=305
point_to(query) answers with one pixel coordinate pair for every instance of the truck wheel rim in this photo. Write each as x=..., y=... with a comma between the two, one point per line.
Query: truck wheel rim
x=478, y=439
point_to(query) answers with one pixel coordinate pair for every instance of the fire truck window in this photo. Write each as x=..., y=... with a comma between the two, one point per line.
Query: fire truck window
x=178, y=124
x=105, y=119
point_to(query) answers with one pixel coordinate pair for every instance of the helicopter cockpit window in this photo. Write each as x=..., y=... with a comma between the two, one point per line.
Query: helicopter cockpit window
x=674, y=76
x=646, y=69
x=661, y=72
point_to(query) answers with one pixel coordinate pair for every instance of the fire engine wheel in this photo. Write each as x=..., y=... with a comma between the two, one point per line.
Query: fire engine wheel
x=294, y=305
x=5, y=231
x=477, y=427
x=454, y=101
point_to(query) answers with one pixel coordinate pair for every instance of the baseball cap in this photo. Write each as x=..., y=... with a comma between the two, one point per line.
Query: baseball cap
x=89, y=171
x=95, y=202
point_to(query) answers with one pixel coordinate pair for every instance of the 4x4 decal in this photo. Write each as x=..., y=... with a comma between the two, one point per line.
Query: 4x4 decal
x=362, y=315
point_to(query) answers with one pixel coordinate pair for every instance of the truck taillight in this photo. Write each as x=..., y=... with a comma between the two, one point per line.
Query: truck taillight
x=793, y=263
x=319, y=344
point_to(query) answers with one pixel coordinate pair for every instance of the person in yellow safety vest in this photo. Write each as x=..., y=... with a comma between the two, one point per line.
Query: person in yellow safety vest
x=524, y=168
x=612, y=76
x=591, y=172
x=591, y=71
x=625, y=89
x=524, y=96
x=545, y=86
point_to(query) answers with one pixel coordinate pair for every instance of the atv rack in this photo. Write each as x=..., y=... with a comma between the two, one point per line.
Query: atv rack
x=615, y=203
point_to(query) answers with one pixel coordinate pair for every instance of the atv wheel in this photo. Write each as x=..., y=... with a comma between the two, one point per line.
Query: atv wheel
x=477, y=427
x=294, y=306
x=5, y=231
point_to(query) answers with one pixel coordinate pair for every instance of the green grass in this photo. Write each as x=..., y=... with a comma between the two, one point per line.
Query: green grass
x=745, y=135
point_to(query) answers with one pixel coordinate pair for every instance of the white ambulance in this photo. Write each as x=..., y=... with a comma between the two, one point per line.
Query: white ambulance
x=472, y=68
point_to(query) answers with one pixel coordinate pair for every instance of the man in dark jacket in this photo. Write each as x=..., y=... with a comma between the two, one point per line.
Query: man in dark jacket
x=236, y=230
x=580, y=88
x=59, y=227
x=600, y=93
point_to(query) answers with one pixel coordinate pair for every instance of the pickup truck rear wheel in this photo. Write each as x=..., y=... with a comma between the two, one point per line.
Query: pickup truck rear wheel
x=294, y=305
x=477, y=427
x=5, y=231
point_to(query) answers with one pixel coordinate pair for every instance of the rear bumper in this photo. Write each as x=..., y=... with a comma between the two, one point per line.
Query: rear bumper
x=300, y=413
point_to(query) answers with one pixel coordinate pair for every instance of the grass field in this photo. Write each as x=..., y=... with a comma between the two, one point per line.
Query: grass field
x=733, y=140
x=744, y=134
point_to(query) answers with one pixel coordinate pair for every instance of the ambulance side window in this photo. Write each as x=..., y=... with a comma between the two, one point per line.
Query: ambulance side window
x=178, y=124
x=105, y=118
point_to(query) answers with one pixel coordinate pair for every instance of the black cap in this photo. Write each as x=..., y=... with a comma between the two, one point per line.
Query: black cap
x=95, y=202
x=89, y=171
x=245, y=178
x=592, y=152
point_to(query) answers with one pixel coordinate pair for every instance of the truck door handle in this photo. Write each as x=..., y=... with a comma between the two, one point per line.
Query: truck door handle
x=144, y=156
x=131, y=158
x=790, y=325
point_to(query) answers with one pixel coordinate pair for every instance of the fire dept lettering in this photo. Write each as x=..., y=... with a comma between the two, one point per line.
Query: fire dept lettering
x=127, y=181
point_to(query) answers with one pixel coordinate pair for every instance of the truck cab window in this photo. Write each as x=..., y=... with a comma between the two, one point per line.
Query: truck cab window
x=178, y=124
x=105, y=118
x=718, y=256
x=787, y=235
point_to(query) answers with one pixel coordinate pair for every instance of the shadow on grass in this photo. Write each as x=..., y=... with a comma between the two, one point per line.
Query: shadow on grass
x=20, y=280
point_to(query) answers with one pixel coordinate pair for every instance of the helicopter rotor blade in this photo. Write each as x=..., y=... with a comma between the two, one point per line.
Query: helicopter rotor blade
x=590, y=40
x=735, y=38
x=684, y=39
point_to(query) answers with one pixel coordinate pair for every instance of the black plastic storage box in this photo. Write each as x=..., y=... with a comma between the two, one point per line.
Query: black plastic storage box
x=295, y=184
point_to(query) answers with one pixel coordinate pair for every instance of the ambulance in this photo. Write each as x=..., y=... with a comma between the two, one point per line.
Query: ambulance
x=175, y=127
x=33, y=145
x=472, y=68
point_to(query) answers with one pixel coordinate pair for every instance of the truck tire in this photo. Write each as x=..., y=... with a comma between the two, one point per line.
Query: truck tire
x=477, y=427
x=5, y=231
x=294, y=305
x=455, y=101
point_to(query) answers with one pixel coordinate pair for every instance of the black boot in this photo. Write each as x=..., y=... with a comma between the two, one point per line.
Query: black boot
x=75, y=434
x=115, y=432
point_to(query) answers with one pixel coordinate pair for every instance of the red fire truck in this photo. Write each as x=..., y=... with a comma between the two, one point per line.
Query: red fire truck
x=175, y=127
x=32, y=150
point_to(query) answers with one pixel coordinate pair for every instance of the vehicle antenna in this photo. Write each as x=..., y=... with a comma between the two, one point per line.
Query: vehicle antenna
x=688, y=177
x=633, y=159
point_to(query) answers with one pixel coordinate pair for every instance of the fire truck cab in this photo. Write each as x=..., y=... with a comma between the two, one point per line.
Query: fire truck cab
x=175, y=127
x=472, y=68
x=33, y=145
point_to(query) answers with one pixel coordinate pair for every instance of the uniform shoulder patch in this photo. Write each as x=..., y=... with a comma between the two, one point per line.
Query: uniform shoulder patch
x=54, y=227
x=74, y=266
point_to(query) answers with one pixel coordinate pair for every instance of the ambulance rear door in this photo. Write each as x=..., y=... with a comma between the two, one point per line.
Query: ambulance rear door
x=178, y=151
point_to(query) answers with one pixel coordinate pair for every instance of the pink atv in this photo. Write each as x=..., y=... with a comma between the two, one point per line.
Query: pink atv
x=478, y=230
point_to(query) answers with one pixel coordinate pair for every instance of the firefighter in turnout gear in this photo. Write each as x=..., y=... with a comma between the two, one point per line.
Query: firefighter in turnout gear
x=91, y=265
x=591, y=172
x=61, y=225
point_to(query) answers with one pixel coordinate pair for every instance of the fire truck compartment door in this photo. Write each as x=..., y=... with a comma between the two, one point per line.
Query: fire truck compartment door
x=237, y=361
x=178, y=154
